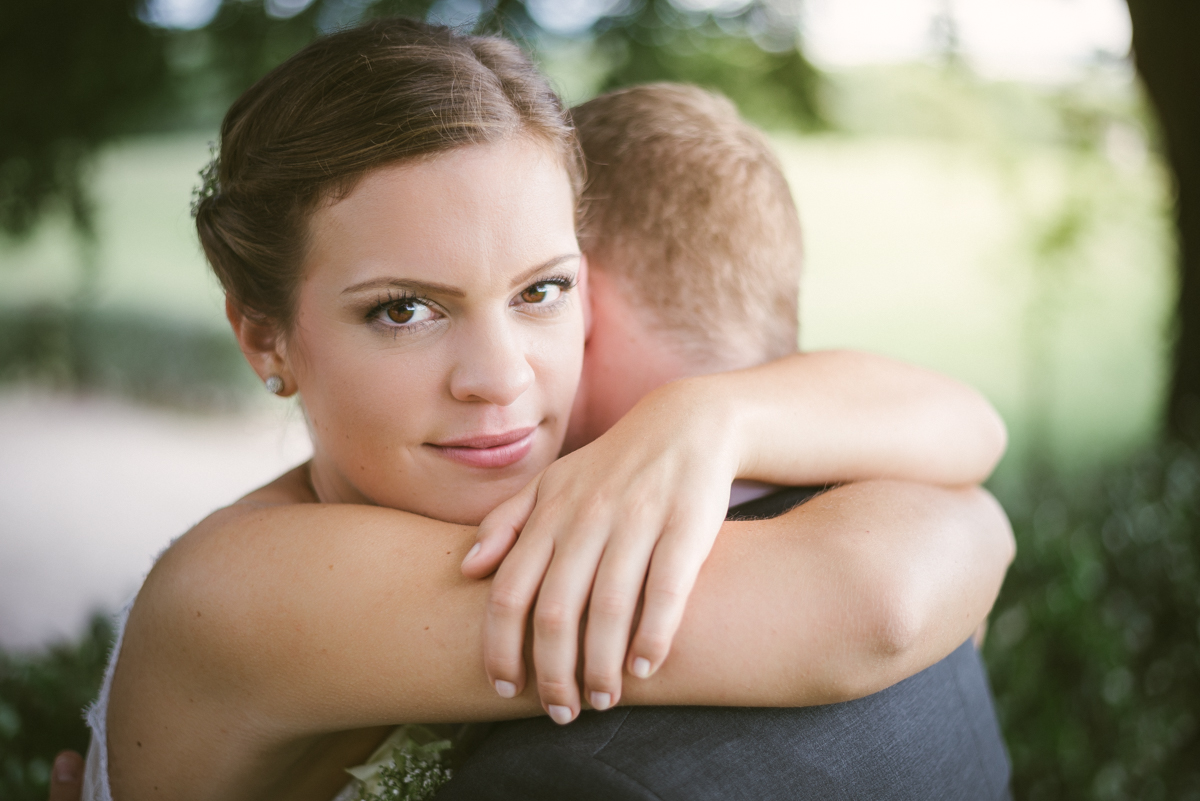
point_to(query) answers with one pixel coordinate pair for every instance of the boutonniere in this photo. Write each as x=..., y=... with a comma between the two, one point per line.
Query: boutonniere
x=408, y=766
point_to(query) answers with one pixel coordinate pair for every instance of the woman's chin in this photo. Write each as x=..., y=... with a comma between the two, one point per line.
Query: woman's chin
x=461, y=499
x=464, y=509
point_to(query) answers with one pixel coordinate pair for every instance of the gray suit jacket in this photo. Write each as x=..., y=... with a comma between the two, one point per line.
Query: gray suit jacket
x=932, y=736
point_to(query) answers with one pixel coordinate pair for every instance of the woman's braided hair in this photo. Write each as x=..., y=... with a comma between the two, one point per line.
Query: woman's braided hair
x=388, y=91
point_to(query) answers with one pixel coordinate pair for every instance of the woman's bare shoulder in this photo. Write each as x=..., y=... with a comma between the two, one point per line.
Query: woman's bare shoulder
x=278, y=597
x=288, y=506
x=219, y=585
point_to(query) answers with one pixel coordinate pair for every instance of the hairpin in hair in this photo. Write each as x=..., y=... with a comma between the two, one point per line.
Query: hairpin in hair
x=210, y=185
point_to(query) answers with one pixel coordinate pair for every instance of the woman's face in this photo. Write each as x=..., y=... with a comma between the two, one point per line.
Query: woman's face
x=439, y=336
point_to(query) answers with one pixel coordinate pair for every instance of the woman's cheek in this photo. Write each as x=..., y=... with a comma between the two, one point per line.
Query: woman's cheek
x=361, y=408
x=566, y=362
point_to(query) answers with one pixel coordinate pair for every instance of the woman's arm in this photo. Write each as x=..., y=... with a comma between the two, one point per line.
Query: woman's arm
x=265, y=628
x=634, y=514
x=836, y=416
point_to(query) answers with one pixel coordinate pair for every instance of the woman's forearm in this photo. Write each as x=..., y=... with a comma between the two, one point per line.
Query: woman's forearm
x=328, y=617
x=837, y=416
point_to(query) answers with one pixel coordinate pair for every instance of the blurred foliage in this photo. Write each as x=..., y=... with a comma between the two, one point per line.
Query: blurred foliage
x=753, y=56
x=1059, y=234
x=151, y=359
x=42, y=699
x=1094, y=648
x=748, y=50
x=76, y=74
x=91, y=70
x=952, y=103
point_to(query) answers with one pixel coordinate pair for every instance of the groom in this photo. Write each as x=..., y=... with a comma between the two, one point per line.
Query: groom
x=694, y=249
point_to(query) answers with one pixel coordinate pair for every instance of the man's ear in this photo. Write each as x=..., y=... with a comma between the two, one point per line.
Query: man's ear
x=263, y=346
x=581, y=286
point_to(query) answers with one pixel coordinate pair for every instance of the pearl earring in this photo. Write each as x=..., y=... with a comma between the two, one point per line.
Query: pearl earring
x=274, y=384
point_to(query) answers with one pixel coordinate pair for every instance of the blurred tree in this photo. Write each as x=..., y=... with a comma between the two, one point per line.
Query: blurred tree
x=1166, y=44
x=748, y=51
x=80, y=72
x=76, y=74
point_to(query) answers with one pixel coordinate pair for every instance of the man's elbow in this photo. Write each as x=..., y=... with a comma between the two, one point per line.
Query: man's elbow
x=890, y=643
x=923, y=610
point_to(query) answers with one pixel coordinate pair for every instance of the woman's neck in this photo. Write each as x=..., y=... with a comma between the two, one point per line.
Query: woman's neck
x=330, y=486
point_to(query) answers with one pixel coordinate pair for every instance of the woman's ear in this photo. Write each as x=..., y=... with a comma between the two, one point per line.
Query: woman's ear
x=585, y=297
x=264, y=348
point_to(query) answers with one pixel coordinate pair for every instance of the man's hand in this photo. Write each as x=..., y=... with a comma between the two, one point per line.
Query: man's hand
x=66, y=777
x=638, y=507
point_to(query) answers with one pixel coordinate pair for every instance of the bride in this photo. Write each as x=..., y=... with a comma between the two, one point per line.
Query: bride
x=392, y=219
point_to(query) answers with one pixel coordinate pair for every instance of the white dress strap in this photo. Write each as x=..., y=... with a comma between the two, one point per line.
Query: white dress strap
x=95, y=774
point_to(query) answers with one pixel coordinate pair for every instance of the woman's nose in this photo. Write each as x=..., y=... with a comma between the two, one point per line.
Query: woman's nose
x=493, y=367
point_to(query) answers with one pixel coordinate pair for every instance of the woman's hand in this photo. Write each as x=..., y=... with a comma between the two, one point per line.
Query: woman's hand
x=638, y=507
x=643, y=502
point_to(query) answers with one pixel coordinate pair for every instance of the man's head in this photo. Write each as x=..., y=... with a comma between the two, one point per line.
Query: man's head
x=693, y=244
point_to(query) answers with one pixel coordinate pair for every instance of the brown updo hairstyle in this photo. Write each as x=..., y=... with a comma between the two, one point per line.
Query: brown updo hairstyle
x=388, y=91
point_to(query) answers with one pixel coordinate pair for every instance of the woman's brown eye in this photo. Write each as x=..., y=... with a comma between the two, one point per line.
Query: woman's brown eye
x=401, y=313
x=535, y=294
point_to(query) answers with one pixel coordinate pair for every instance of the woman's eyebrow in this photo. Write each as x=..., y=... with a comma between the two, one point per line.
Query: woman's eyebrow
x=404, y=283
x=528, y=275
x=446, y=289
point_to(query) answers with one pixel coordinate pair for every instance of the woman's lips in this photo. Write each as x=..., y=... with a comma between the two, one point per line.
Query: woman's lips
x=488, y=450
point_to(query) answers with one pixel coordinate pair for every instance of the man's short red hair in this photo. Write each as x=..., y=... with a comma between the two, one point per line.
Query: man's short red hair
x=687, y=202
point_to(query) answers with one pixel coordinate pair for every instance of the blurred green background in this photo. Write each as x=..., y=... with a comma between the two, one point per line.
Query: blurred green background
x=1019, y=233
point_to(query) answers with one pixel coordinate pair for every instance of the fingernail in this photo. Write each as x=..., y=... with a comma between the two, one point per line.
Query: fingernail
x=471, y=553
x=560, y=714
x=64, y=769
x=600, y=700
x=506, y=689
x=641, y=667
